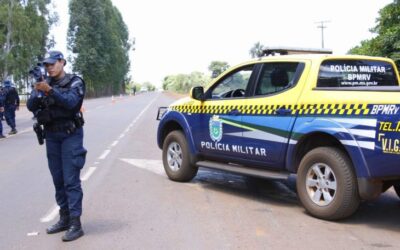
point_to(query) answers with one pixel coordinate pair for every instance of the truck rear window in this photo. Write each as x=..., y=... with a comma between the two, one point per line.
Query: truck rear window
x=356, y=73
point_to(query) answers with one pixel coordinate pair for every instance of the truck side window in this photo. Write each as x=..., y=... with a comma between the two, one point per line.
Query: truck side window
x=233, y=85
x=356, y=73
x=276, y=77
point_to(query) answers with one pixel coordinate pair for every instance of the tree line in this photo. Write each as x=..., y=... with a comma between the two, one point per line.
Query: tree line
x=387, y=40
x=99, y=41
x=182, y=83
x=24, y=30
x=97, y=38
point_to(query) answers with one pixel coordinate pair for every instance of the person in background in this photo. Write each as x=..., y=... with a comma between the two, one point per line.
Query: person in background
x=2, y=111
x=11, y=104
x=2, y=98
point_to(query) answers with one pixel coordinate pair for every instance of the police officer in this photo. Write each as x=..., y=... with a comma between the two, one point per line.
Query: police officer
x=11, y=105
x=56, y=103
x=2, y=99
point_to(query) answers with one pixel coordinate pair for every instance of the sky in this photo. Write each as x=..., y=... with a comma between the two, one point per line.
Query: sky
x=182, y=36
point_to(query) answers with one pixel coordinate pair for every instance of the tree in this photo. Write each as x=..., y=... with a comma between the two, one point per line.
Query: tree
x=387, y=41
x=217, y=67
x=149, y=86
x=182, y=83
x=24, y=27
x=99, y=41
x=256, y=50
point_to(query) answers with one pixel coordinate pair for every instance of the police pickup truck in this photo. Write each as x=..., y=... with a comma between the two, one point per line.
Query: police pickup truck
x=332, y=120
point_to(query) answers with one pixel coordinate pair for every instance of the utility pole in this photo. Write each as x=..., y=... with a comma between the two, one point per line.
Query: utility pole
x=322, y=27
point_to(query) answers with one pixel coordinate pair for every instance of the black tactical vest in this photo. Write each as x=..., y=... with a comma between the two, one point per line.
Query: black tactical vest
x=59, y=113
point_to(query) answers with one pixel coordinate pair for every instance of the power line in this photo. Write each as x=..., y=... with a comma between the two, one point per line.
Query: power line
x=322, y=27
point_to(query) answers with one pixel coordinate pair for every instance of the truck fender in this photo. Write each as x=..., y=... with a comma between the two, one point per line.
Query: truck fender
x=350, y=132
x=177, y=118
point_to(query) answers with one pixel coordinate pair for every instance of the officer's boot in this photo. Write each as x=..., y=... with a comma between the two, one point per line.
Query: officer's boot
x=62, y=225
x=74, y=231
x=13, y=131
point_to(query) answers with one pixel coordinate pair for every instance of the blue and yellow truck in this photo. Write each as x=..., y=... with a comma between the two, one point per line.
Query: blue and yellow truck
x=334, y=121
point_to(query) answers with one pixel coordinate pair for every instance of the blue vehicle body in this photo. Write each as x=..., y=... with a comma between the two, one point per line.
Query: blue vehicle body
x=275, y=131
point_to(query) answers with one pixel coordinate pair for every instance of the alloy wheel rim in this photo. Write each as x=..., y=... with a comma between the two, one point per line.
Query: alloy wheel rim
x=321, y=184
x=174, y=156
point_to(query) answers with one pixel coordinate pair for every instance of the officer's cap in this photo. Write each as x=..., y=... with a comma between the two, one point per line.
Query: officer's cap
x=53, y=56
x=7, y=83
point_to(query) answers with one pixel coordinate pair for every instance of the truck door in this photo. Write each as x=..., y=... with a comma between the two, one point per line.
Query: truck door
x=213, y=134
x=271, y=113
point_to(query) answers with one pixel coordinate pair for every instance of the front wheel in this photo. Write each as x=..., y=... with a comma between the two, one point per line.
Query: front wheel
x=177, y=159
x=326, y=184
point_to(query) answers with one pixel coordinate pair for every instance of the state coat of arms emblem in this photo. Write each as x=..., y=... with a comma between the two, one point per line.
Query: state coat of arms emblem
x=215, y=128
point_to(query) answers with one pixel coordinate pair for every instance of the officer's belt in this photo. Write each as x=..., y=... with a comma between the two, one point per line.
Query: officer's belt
x=68, y=126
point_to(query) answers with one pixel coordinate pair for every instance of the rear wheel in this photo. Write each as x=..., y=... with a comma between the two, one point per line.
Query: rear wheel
x=397, y=189
x=177, y=159
x=326, y=184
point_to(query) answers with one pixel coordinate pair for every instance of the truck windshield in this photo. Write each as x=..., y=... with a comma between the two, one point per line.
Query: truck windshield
x=356, y=73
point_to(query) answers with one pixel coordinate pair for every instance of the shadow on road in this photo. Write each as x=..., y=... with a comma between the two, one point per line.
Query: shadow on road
x=94, y=227
x=277, y=192
x=383, y=213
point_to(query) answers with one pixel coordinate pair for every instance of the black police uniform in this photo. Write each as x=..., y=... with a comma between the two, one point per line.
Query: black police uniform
x=2, y=99
x=62, y=119
x=10, y=106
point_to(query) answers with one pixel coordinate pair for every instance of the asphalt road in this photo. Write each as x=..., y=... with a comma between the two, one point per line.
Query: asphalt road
x=129, y=203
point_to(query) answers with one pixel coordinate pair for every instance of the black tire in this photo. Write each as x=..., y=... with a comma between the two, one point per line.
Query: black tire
x=386, y=186
x=397, y=189
x=181, y=167
x=335, y=195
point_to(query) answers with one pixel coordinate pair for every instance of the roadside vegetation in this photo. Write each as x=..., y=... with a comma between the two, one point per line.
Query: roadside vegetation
x=99, y=44
x=387, y=30
x=98, y=40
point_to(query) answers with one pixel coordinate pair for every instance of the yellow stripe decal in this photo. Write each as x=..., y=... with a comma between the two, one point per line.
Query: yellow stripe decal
x=303, y=109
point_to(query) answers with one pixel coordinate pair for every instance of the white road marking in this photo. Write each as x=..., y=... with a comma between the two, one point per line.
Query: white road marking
x=155, y=166
x=25, y=131
x=104, y=155
x=32, y=234
x=19, y=132
x=107, y=151
x=51, y=214
x=88, y=173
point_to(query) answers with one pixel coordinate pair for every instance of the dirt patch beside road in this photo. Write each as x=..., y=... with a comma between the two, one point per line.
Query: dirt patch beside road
x=175, y=95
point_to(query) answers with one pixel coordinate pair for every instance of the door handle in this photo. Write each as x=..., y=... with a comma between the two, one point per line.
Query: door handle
x=234, y=112
x=283, y=111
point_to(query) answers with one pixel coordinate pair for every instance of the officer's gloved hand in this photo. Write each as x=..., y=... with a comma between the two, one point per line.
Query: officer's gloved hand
x=43, y=86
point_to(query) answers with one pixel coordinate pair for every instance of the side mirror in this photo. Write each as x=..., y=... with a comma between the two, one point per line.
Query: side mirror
x=197, y=93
